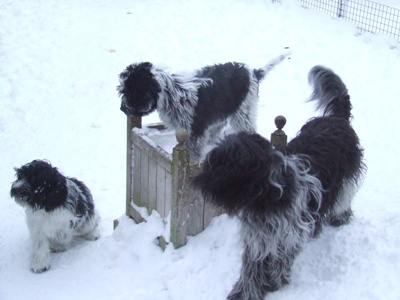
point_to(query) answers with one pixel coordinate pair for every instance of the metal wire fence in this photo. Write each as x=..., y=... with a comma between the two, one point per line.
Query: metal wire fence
x=366, y=15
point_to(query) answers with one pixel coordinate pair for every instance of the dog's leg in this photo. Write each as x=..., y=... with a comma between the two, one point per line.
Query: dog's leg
x=245, y=118
x=260, y=276
x=60, y=240
x=58, y=246
x=341, y=213
x=92, y=235
x=343, y=219
x=214, y=130
x=243, y=121
x=271, y=244
x=40, y=259
x=196, y=144
x=40, y=255
x=266, y=260
x=91, y=231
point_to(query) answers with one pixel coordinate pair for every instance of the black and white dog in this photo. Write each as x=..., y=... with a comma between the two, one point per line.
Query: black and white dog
x=282, y=199
x=201, y=103
x=58, y=208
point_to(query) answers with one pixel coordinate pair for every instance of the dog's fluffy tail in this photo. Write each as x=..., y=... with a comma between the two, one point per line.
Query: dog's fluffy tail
x=330, y=92
x=262, y=72
x=236, y=174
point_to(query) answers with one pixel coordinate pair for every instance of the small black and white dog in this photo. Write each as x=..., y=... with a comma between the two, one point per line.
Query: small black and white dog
x=282, y=199
x=201, y=103
x=58, y=208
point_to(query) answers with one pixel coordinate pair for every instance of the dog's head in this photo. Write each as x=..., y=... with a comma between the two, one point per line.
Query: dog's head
x=241, y=173
x=139, y=90
x=39, y=186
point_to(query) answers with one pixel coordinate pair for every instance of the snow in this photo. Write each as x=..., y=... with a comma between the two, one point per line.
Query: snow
x=60, y=62
x=390, y=3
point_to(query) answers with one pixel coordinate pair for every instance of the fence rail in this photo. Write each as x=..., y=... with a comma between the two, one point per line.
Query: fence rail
x=366, y=15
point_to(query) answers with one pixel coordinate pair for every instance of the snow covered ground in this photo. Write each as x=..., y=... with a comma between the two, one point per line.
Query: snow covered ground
x=391, y=3
x=60, y=62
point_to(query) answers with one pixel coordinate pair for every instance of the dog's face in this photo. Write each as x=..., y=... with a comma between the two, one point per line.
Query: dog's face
x=139, y=90
x=39, y=186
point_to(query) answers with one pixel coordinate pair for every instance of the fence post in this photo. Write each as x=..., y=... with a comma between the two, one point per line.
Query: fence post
x=341, y=8
x=278, y=137
x=131, y=123
x=179, y=193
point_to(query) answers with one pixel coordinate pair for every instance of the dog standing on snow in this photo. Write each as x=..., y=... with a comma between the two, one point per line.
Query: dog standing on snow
x=283, y=199
x=202, y=103
x=58, y=208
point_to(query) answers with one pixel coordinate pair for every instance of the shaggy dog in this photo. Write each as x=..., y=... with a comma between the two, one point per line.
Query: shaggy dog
x=58, y=208
x=201, y=103
x=282, y=199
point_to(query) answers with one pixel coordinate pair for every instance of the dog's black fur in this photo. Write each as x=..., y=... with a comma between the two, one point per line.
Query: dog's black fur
x=283, y=198
x=201, y=103
x=58, y=208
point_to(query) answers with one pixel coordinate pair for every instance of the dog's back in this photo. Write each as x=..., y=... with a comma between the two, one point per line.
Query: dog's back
x=329, y=141
x=230, y=85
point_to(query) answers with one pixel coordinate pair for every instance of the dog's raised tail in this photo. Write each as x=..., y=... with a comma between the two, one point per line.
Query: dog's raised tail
x=330, y=92
x=262, y=72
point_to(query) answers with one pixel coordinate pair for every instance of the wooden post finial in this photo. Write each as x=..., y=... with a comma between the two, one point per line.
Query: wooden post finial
x=280, y=122
x=278, y=137
x=181, y=136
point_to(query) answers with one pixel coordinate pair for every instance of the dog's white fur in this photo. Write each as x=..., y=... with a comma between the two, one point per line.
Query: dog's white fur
x=52, y=231
x=180, y=105
x=58, y=209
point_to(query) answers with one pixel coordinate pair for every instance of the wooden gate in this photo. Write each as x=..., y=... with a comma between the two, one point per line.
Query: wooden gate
x=160, y=181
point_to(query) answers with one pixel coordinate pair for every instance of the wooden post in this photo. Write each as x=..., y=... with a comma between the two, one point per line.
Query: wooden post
x=278, y=137
x=131, y=123
x=179, y=192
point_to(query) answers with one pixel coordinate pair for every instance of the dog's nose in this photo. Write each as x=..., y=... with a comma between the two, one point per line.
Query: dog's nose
x=129, y=112
x=13, y=191
x=125, y=110
x=19, y=191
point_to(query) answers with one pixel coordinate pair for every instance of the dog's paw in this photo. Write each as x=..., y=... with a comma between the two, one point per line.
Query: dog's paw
x=58, y=249
x=234, y=295
x=38, y=270
x=40, y=263
x=341, y=219
x=92, y=236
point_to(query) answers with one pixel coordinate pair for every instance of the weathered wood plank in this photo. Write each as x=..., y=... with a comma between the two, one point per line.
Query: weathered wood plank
x=152, y=187
x=196, y=211
x=156, y=152
x=129, y=176
x=158, y=126
x=144, y=180
x=160, y=191
x=134, y=214
x=136, y=176
x=168, y=194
